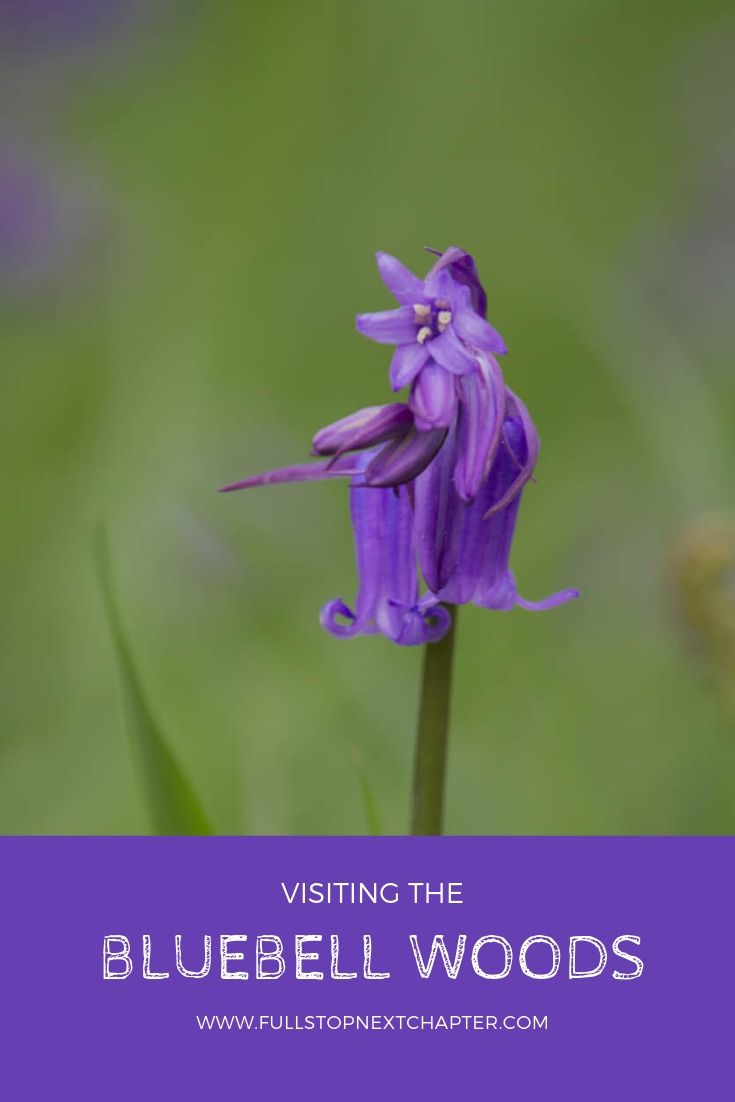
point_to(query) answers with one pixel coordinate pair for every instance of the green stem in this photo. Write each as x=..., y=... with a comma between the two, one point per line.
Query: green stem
x=431, y=741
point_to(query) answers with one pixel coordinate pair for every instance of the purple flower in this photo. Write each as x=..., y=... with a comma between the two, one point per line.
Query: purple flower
x=388, y=598
x=436, y=483
x=406, y=452
x=446, y=351
x=439, y=329
x=464, y=550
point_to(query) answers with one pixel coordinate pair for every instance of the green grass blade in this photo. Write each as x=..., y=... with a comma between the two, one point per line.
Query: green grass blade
x=173, y=805
x=369, y=805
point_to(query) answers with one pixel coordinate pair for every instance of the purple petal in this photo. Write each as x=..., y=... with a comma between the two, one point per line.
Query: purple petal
x=388, y=326
x=414, y=625
x=438, y=621
x=482, y=573
x=402, y=460
x=449, y=352
x=532, y=445
x=382, y=527
x=406, y=287
x=496, y=588
x=363, y=429
x=553, y=601
x=481, y=416
x=439, y=515
x=462, y=267
x=433, y=397
x=303, y=472
x=476, y=331
x=501, y=594
x=387, y=599
x=439, y=286
x=328, y=618
x=408, y=359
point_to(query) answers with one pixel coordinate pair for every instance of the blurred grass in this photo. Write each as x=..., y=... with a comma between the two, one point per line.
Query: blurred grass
x=369, y=803
x=172, y=804
x=246, y=161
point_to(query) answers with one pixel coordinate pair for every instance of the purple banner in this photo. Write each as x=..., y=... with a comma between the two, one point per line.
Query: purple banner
x=510, y=968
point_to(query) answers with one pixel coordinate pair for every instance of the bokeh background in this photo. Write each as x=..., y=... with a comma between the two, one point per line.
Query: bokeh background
x=190, y=199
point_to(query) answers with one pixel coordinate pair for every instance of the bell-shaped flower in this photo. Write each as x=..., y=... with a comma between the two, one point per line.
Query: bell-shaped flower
x=464, y=549
x=388, y=595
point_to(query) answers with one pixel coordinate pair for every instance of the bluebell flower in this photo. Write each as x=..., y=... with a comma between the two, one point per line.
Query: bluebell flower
x=388, y=597
x=464, y=549
x=436, y=482
x=438, y=332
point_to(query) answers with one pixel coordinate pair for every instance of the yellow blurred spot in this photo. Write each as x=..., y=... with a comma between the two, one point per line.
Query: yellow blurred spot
x=702, y=576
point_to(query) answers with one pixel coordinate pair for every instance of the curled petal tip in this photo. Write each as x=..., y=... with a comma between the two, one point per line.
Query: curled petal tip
x=417, y=624
x=338, y=619
x=553, y=601
x=438, y=621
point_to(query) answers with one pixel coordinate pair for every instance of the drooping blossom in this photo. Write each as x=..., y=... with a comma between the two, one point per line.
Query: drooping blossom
x=439, y=492
x=464, y=550
x=388, y=597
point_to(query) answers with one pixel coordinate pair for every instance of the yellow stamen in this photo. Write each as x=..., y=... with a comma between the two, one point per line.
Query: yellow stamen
x=443, y=319
x=421, y=312
x=423, y=334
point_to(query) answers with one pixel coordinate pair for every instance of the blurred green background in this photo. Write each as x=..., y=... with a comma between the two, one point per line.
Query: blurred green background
x=202, y=189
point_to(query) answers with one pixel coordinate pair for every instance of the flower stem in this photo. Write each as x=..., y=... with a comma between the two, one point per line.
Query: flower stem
x=433, y=729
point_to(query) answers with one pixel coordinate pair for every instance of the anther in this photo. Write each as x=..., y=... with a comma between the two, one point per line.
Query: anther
x=421, y=312
x=443, y=319
x=423, y=334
